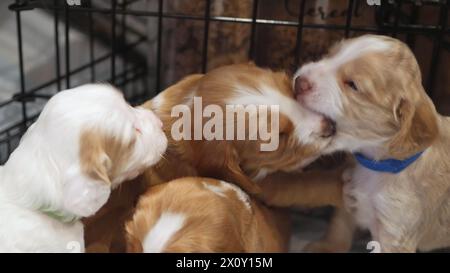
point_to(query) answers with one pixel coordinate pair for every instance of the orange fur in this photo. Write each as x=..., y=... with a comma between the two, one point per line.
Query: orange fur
x=214, y=223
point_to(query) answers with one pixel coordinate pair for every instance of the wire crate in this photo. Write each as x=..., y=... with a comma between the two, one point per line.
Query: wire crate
x=134, y=49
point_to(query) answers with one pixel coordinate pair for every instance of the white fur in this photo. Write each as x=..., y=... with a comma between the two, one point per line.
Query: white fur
x=308, y=125
x=43, y=173
x=219, y=190
x=360, y=192
x=157, y=102
x=262, y=173
x=224, y=187
x=245, y=199
x=356, y=49
x=167, y=225
x=326, y=98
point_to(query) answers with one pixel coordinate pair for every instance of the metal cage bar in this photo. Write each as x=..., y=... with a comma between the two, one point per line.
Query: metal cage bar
x=301, y=18
x=251, y=51
x=67, y=44
x=57, y=50
x=437, y=45
x=348, y=22
x=135, y=71
x=21, y=68
x=206, y=36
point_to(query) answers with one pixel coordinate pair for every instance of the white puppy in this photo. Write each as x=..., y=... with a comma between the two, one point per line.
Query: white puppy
x=86, y=141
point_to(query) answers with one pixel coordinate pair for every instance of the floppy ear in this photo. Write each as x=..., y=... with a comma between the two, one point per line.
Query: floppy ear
x=234, y=174
x=84, y=195
x=93, y=158
x=226, y=166
x=418, y=128
x=86, y=186
x=98, y=168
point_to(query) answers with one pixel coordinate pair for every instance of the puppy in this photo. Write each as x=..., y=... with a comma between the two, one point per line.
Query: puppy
x=204, y=215
x=301, y=134
x=86, y=141
x=399, y=189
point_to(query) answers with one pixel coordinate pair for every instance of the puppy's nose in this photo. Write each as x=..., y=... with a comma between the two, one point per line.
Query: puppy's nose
x=302, y=85
x=328, y=128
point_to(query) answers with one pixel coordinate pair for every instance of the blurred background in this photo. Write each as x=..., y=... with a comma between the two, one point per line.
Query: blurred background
x=143, y=46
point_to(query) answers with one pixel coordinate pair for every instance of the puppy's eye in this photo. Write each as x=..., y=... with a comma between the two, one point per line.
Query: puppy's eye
x=351, y=84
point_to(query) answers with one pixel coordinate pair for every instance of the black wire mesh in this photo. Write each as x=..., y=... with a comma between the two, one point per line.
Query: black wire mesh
x=133, y=74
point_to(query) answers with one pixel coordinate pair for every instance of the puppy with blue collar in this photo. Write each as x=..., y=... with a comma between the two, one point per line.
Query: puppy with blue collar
x=399, y=187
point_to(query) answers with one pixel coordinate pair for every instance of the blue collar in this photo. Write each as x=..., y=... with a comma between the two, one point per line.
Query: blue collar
x=387, y=165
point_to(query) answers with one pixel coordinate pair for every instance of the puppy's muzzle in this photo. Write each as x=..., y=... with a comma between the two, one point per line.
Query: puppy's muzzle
x=328, y=127
x=302, y=86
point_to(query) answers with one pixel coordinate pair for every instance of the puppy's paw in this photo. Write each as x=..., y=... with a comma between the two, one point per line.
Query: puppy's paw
x=349, y=194
x=347, y=175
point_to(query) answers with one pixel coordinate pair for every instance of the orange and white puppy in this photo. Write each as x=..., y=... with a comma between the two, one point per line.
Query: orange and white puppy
x=301, y=134
x=371, y=87
x=196, y=214
x=86, y=141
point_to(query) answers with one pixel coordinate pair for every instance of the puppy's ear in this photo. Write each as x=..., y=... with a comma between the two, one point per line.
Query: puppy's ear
x=234, y=174
x=417, y=128
x=224, y=167
x=95, y=163
x=86, y=186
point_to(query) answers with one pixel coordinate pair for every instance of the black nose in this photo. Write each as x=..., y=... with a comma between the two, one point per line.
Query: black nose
x=302, y=85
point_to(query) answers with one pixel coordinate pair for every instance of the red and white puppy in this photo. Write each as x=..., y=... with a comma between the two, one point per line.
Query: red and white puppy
x=204, y=215
x=86, y=141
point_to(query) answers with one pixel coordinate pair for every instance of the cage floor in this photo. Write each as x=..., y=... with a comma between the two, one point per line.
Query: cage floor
x=307, y=229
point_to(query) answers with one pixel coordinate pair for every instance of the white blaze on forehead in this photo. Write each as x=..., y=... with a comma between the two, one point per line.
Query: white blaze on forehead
x=302, y=118
x=223, y=187
x=167, y=225
x=356, y=48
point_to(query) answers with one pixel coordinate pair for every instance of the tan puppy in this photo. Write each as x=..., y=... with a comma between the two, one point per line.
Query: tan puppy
x=371, y=87
x=204, y=215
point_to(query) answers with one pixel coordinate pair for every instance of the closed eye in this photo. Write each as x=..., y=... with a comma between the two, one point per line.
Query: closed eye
x=351, y=84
